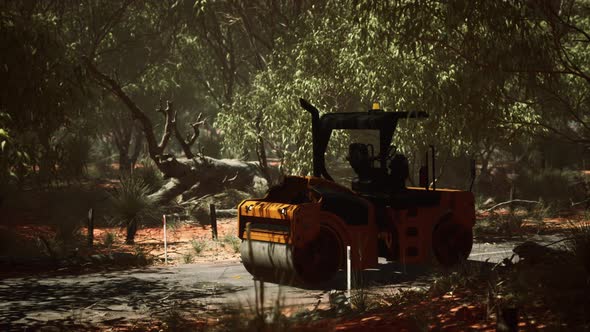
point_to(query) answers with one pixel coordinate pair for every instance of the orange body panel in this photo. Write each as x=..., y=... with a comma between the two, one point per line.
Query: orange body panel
x=280, y=218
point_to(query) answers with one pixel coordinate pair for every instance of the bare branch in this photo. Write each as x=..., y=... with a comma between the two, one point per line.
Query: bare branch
x=136, y=112
x=170, y=116
x=196, y=132
x=511, y=202
x=188, y=143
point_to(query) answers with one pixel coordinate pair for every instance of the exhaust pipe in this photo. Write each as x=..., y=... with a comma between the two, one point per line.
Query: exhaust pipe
x=315, y=126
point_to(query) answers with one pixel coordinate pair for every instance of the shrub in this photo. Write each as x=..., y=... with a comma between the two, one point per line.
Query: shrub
x=132, y=205
x=500, y=224
x=233, y=241
x=464, y=275
x=198, y=246
x=187, y=258
x=552, y=185
x=108, y=239
x=149, y=174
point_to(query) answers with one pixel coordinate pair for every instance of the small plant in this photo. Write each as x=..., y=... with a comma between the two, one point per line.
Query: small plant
x=141, y=255
x=108, y=239
x=187, y=258
x=541, y=212
x=233, y=241
x=260, y=317
x=173, y=224
x=198, y=246
x=132, y=205
x=360, y=298
x=175, y=321
x=464, y=275
x=500, y=224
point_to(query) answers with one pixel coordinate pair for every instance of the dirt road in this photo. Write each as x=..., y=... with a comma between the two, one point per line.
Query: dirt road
x=122, y=297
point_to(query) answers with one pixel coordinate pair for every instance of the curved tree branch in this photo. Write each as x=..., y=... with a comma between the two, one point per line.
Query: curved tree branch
x=104, y=80
x=170, y=118
x=190, y=140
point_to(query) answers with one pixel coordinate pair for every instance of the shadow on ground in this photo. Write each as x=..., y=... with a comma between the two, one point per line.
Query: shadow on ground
x=75, y=302
x=392, y=274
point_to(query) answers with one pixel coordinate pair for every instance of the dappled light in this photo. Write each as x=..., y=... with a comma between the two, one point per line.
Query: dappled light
x=192, y=165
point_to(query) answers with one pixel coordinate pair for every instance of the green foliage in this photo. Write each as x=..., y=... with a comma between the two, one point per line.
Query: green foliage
x=149, y=174
x=342, y=63
x=198, y=246
x=501, y=224
x=47, y=86
x=464, y=276
x=489, y=73
x=187, y=258
x=551, y=185
x=13, y=157
x=108, y=239
x=141, y=256
x=233, y=241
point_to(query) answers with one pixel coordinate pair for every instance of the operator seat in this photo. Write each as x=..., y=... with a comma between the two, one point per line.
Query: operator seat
x=360, y=160
x=399, y=172
x=369, y=179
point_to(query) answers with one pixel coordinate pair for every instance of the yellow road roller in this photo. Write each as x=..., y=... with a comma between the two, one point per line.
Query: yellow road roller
x=299, y=232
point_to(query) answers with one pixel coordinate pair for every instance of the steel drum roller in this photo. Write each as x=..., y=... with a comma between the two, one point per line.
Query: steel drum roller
x=268, y=261
x=315, y=263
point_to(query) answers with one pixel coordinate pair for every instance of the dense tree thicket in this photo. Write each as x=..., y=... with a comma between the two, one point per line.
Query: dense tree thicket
x=497, y=77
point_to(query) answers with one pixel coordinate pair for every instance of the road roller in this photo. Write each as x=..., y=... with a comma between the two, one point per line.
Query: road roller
x=299, y=232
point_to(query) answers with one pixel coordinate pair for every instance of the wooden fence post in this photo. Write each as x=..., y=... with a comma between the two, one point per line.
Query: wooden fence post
x=213, y=220
x=90, y=228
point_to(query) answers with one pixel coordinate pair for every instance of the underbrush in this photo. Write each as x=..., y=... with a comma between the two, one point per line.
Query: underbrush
x=561, y=187
x=132, y=206
x=516, y=221
x=198, y=246
x=233, y=241
x=556, y=279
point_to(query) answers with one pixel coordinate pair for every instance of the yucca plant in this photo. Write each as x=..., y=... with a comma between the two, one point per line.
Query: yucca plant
x=149, y=173
x=133, y=206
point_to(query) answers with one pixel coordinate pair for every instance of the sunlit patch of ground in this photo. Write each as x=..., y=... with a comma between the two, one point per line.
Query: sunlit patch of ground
x=181, y=242
x=30, y=246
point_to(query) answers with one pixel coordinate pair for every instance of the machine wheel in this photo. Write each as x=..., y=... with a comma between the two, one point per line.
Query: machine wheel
x=451, y=242
x=320, y=260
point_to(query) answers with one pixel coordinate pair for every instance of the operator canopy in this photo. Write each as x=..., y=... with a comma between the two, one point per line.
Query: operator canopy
x=375, y=119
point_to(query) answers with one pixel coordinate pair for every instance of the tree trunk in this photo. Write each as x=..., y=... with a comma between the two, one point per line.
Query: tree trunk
x=193, y=175
x=124, y=162
x=199, y=176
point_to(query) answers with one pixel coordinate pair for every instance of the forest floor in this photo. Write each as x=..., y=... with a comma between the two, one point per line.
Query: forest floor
x=469, y=298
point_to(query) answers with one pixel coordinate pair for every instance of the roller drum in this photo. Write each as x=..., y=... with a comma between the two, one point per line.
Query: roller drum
x=313, y=264
x=269, y=261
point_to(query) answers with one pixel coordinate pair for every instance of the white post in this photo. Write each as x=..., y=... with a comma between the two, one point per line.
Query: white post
x=348, y=272
x=165, y=241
